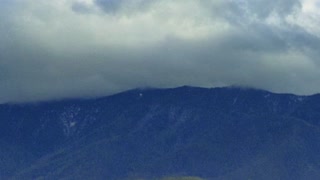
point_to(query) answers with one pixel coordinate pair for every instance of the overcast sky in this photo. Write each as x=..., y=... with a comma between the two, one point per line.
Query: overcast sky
x=87, y=48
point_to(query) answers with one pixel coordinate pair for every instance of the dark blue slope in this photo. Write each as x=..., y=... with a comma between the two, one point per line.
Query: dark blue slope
x=221, y=133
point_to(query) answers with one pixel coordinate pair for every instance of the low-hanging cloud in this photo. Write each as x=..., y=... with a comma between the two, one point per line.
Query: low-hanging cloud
x=87, y=48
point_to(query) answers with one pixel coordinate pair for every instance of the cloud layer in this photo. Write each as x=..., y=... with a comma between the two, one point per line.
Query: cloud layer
x=87, y=48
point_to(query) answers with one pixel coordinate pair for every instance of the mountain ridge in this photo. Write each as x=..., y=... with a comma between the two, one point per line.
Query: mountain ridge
x=210, y=133
x=233, y=87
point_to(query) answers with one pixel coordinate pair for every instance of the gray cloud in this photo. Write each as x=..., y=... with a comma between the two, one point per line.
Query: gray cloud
x=85, y=48
x=263, y=8
x=114, y=6
x=110, y=5
x=81, y=7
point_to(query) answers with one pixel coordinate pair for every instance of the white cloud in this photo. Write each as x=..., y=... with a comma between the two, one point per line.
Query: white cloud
x=54, y=24
x=308, y=17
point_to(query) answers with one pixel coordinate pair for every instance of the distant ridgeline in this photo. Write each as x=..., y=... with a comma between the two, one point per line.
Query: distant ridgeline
x=219, y=133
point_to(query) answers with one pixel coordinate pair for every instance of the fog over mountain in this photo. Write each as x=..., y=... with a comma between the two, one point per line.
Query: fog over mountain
x=89, y=48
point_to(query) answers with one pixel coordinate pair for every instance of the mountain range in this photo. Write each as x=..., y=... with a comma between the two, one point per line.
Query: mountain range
x=209, y=133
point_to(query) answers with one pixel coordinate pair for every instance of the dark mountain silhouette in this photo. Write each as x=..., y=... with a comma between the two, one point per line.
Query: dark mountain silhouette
x=219, y=133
